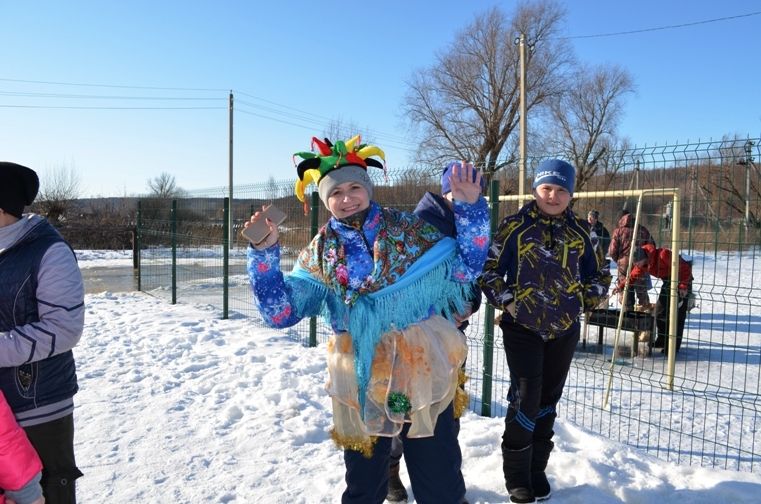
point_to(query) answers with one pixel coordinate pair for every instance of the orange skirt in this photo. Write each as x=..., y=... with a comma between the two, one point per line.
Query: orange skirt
x=422, y=362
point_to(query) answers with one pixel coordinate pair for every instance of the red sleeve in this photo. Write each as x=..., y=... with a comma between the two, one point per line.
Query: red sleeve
x=685, y=274
x=19, y=462
x=663, y=263
x=637, y=273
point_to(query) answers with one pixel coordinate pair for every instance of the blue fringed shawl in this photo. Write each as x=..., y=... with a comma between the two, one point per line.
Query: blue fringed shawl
x=426, y=288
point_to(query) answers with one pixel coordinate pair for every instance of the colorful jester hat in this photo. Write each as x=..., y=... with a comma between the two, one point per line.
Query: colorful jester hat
x=332, y=156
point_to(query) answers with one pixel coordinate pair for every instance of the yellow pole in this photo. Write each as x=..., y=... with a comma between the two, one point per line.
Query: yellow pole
x=674, y=288
x=522, y=119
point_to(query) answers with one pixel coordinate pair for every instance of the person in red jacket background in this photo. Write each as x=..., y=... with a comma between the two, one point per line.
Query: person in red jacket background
x=20, y=467
x=657, y=262
x=621, y=242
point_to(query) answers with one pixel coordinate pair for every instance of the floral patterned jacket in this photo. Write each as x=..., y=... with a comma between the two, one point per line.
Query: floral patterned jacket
x=359, y=262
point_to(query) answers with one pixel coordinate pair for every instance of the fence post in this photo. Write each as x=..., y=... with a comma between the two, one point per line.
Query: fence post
x=488, y=370
x=226, y=258
x=173, y=223
x=315, y=204
x=716, y=230
x=138, y=230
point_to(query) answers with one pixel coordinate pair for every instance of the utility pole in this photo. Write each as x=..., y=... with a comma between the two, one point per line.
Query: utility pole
x=230, y=174
x=522, y=123
x=636, y=176
x=748, y=162
x=693, y=183
x=633, y=182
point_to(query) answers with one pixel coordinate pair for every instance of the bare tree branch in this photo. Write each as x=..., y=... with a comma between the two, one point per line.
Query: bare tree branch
x=58, y=190
x=586, y=116
x=466, y=105
x=163, y=186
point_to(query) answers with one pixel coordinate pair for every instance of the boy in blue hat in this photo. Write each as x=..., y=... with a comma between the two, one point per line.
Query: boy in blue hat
x=542, y=271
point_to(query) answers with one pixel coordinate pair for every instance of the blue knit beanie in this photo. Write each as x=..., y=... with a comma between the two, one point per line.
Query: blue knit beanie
x=446, y=187
x=555, y=171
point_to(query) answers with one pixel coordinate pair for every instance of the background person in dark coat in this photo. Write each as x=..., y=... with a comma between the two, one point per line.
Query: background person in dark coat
x=601, y=232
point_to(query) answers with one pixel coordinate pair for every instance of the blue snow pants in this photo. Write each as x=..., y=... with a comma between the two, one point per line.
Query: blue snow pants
x=433, y=464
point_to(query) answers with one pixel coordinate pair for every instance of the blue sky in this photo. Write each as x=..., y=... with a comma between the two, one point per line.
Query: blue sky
x=295, y=65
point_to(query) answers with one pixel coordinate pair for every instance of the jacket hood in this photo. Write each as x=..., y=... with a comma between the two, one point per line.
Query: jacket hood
x=626, y=221
x=10, y=235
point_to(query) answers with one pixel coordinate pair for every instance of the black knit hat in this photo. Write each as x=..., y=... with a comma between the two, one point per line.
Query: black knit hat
x=18, y=187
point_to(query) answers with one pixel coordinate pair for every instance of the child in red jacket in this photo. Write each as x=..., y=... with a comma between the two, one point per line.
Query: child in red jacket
x=657, y=262
x=20, y=467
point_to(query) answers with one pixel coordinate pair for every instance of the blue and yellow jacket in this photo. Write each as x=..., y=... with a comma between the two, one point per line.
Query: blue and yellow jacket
x=548, y=267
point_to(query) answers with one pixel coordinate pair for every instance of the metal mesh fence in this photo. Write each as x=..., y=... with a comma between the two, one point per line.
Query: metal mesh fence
x=704, y=414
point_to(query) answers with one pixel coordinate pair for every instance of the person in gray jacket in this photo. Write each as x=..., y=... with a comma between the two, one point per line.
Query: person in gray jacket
x=41, y=319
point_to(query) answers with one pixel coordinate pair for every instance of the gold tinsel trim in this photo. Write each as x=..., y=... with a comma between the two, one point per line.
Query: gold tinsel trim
x=363, y=445
x=460, y=396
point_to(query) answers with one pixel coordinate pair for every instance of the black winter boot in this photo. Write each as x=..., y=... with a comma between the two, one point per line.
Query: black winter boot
x=539, y=458
x=396, y=490
x=516, y=464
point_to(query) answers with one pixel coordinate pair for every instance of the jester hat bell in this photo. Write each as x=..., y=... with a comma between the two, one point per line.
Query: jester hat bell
x=330, y=157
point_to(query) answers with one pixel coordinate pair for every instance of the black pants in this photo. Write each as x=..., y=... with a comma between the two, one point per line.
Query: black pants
x=538, y=371
x=662, y=317
x=54, y=442
x=433, y=464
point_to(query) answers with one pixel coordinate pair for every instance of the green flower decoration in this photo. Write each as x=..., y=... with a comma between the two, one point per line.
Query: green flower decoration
x=399, y=402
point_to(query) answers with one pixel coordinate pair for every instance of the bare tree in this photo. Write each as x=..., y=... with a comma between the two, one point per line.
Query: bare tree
x=58, y=191
x=586, y=116
x=739, y=185
x=466, y=106
x=611, y=162
x=163, y=186
x=338, y=129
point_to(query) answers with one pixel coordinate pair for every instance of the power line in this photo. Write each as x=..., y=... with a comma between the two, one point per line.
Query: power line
x=103, y=97
x=106, y=108
x=111, y=85
x=317, y=125
x=668, y=27
x=322, y=119
x=300, y=115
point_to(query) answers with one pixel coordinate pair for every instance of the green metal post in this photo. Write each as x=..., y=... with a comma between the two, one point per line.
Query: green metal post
x=716, y=229
x=226, y=258
x=488, y=370
x=137, y=246
x=173, y=221
x=315, y=203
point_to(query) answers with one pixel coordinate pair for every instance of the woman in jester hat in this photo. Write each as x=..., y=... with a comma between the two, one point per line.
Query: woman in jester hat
x=382, y=278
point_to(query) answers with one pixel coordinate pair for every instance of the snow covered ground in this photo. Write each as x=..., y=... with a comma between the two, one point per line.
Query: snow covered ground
x=178, y=405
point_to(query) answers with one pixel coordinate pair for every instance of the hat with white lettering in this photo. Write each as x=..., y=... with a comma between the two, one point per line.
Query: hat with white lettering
x=555, y=171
